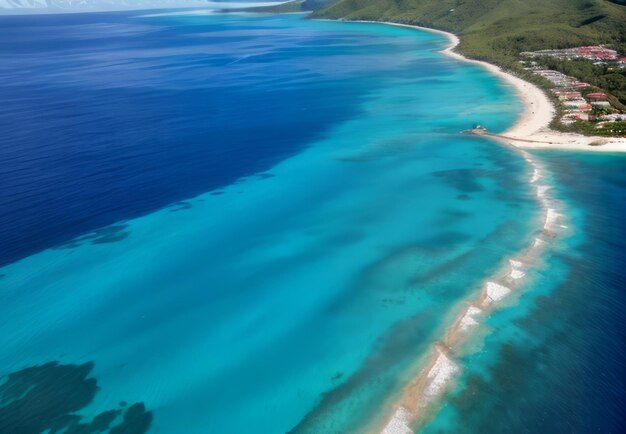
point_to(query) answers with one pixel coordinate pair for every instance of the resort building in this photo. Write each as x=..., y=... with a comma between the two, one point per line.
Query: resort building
x=597, y=96
x=594, y=53
x=566, y=95
x=577, y=106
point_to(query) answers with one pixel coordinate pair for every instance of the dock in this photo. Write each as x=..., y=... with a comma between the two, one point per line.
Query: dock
x=480, y=131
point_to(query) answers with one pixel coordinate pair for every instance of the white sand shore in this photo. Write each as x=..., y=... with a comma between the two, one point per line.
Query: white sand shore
x=531, y=131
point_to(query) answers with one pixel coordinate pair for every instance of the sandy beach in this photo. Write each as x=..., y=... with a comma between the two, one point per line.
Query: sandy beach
x=532, y=129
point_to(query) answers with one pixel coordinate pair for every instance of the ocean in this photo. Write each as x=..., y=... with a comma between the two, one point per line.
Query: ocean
x=229, y=223
x=555, y=361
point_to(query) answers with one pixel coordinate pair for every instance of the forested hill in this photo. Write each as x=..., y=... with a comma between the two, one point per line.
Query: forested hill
x=497, y=30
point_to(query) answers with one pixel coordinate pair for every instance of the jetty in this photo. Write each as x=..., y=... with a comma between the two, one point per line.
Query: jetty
x=482, y=131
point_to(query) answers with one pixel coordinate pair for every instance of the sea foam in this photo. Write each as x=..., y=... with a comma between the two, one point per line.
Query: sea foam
x=536, y=176
x=468, y=320
x=497, y=292
x=440, y=374
x=399, y=422
x=541, y=190
x=516, y=272
x=551, y=217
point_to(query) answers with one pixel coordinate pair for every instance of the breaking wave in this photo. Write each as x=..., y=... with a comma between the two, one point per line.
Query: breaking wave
x=420, y=398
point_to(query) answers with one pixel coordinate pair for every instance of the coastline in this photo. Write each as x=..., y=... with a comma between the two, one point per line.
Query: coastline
x=531, y=131
x=421, y=398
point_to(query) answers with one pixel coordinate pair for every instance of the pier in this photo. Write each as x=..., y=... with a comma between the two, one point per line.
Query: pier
x=481, y=131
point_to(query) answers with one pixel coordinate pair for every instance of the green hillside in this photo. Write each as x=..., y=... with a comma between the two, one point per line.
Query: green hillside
x=288, y=7
x=497, y=30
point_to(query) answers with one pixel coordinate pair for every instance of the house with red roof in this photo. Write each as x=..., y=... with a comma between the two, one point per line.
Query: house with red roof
x=597, y=96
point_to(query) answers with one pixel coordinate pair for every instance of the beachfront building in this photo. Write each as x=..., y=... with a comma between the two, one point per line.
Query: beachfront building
x=557, y=78
x=597, y=96
x=570, y=118
x=565, y=95
x=576, y=106
x=593, y=52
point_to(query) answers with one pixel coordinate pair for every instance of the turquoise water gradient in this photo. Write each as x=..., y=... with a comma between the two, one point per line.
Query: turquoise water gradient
x=296, y=300
x=554, y=361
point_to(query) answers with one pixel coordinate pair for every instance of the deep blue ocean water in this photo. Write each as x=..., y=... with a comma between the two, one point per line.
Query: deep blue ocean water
x=109, y=116
x=246, y=223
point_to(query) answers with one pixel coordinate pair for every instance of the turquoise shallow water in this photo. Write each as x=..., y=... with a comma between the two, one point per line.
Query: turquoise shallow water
x=554, y=361
x=297, y=299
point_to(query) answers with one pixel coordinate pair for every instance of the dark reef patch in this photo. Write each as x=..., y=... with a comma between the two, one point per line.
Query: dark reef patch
x=347, y=238
x=337, y=376
x=109, y=234
x=463, y=180
x=68, y=245
x=450, y=216
x=46, y=398
x=443, y=241
x=136, y=420
x=179, y=206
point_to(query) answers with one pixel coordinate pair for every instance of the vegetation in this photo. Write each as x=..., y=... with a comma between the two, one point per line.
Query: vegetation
x=498, y=30
x=292, y=6
x=607, y=129
x=284, y=8
x=601, y=111
x=492, y=30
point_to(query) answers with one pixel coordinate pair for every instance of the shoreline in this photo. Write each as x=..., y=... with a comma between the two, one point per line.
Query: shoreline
x=531, y=130
x=420, y=399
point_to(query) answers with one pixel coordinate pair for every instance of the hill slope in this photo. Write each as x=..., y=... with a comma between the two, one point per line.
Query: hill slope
x=497, y=30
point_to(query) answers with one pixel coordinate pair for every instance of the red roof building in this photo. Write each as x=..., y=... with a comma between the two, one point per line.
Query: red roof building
x=570, y=95
x=597, y=52
x=597, y=95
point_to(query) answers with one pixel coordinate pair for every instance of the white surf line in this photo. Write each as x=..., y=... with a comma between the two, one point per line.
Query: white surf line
x=469, y=320
x=536, y=176
x=495, y=292
x=439, y=375
x=399, y=422
x=516, y=269
x=551, y=217
x=432, y=383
